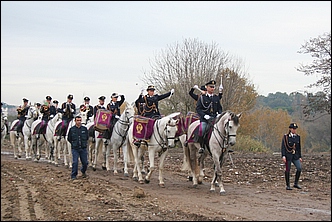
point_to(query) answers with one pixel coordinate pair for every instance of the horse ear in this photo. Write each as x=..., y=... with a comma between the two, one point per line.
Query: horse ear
x=239, y=115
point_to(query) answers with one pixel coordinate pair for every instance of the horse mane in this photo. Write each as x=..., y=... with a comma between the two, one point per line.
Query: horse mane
x=234, y=117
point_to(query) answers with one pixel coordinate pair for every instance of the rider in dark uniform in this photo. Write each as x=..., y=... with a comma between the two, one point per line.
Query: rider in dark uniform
x=208, y=107
x=150, y=106
x=88, y=107
x=21, y=112
x=48, y=112
x=56, y=103
x=68, y=110
x=101, y=105
x=291, y=153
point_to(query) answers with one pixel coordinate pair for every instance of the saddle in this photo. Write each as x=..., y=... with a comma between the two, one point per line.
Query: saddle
x=40, y=128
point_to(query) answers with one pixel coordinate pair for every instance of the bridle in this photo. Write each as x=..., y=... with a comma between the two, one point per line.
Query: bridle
x=125, y=123
x=224, y=136
x=164, y=142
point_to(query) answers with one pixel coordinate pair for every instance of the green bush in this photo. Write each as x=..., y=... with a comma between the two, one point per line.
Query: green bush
x=247, y=144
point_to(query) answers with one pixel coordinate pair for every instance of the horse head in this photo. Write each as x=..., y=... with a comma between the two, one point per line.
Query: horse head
x=230, y=124
x=171, y=128
x=128, y=114
x=32, y=113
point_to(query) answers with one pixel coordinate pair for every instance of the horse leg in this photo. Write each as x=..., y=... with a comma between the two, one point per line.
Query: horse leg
x=70, y=155
x=192, y=159
x=26, y=145
x=108, y=152
x=104, y=148
x=90, y=154
x=97, y=144
x=137, y=174
x=125, y=159
x=201, y=167
x=161, y=169
x=151, y=167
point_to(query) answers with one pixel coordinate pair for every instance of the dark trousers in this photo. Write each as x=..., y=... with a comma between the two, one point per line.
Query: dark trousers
x=83, y=155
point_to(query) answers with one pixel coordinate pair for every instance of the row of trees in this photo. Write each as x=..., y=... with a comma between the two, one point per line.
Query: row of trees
x=264, y=120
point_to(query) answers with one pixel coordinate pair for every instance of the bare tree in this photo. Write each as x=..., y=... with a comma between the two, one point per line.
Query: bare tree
x=182, y=66
x=320, y=50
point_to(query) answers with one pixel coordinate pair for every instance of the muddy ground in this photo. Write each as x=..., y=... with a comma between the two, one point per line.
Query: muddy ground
x=254, y=184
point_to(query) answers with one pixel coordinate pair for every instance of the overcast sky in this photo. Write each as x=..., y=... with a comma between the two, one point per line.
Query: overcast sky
x=97, y=48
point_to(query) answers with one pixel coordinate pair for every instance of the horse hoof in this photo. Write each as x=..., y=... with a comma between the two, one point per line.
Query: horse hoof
x=195, y=186
x=143, y=172
x=94, y=168
x=15, y=157
x=147, y=181
x=104, y=168
x=135, y=178
x=141, y=182
x=212, y=191
x=126, y=175
x=162, y=185
x=222, y=193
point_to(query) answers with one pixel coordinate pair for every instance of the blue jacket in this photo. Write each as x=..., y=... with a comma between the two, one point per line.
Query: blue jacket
x=78, y=137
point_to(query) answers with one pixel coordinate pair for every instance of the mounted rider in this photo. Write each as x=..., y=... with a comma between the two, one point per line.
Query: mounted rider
x=150, y=102
x=22, y=111
x=208, y=107
x=87, y=107
x=150, y=107
x=68, y=110
x=48, y=111
x=114, y=106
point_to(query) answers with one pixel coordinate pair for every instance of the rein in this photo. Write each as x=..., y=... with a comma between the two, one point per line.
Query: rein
x=163, y=143
x=125, y=123
x=224, y=137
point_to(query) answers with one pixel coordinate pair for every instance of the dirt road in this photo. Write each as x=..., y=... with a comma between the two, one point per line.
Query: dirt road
x=255, y=190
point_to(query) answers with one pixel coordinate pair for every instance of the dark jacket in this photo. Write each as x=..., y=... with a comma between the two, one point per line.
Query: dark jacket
x=68, y=110
x=78, y=137
x=150, y=106
x=115, y=108
x=289, y=144
x=208, y=106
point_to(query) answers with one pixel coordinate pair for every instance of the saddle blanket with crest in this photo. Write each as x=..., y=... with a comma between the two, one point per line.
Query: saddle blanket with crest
x=143, y=127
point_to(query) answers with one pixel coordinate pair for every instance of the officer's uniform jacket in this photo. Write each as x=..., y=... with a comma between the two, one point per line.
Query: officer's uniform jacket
x=114, y=107
x=68, y=110
x=208, y=105
x=291, y=146
x=22, y=112
x=48, y=112
x=150, y=106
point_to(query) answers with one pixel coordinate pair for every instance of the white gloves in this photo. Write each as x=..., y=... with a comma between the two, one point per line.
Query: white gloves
x=142, y=91
x=195, y=87
x=64, y=110
x=51, y=116
x=206, y=117
x=172, y=91
x=117, y=117
x=72, y=110
x=220, y=88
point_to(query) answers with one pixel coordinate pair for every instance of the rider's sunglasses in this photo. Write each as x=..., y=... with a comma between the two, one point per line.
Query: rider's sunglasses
x=211, y=86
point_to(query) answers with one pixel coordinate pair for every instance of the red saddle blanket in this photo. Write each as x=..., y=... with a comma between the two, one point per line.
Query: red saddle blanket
x=143, y=127
x=103, y=120
x=190, y=118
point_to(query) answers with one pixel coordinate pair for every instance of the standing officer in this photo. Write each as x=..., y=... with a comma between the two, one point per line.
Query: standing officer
x=21, y=112
x=291, y=153
x=68, y=110
x=208, y=107
x=150, y=106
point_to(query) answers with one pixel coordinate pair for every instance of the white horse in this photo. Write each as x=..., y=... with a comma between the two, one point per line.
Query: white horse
x=223, y=134
x=31, y=116
x=118, y=139
x=4, y=114
x=15, y=142
x=162, y=138
x=52, y=154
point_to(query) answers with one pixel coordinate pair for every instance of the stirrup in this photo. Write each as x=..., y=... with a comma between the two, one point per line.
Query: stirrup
x=201, y=150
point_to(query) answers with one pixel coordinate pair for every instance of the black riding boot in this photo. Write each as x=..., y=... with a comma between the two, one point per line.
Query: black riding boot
x=201, y=142
x=287, y=181
x=297, y=177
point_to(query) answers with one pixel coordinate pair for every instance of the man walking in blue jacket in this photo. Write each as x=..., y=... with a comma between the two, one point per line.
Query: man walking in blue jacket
x=78, y=137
